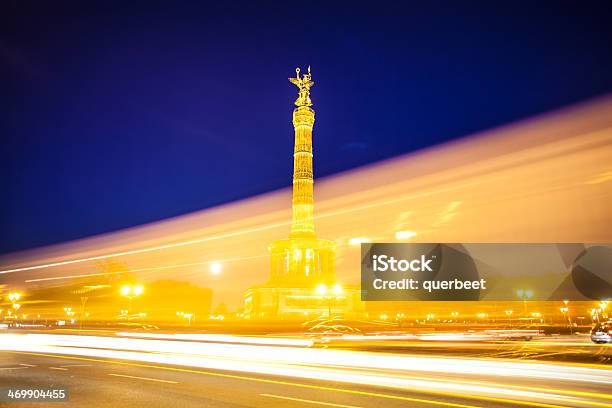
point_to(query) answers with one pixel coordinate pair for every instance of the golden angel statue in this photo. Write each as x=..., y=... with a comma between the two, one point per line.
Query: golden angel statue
x=304, y=83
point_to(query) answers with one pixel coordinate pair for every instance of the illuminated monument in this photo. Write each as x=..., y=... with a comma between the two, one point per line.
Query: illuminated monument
x=302, y=259
x=301, y=263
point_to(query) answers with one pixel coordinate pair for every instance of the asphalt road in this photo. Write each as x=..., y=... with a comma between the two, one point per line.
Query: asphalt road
x=286, y=377
x=113, y=384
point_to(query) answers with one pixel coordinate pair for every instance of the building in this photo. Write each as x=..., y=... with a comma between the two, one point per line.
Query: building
x=302, y=276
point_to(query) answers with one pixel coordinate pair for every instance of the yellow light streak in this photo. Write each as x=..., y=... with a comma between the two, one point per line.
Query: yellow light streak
x=325, y=365
x=144, y=269
x=496, y=176
x=308, y=386
x=145, y=250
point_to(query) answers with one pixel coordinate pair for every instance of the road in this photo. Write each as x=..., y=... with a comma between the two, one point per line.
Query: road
x=131, y=372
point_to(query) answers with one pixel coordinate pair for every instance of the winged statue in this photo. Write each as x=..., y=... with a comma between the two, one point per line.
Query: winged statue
x=304, y=83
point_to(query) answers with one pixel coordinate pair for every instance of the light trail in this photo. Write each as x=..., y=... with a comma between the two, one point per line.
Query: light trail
x=143, y=250
x=570, y=134
x=222, y=338
x=145, y=269
x=449, y=376
x=506, y=180
x=344, y=211
x=259, y=380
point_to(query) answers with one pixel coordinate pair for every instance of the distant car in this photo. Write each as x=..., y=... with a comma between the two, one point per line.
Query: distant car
x=602, y=333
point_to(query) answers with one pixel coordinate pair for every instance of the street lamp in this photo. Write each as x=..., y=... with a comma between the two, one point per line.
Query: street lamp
x=16, y=306
x=508, y=313
x=69, y=314
x=186, y=316
x=566, y=316
x=131, y=291
x=569, y=319
x=602, y=306
x=525, y=294
x=330, y=294
x=594, y=315
x=14, y=296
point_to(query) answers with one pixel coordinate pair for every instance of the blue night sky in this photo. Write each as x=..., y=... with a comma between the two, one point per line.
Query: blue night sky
x=115, y=115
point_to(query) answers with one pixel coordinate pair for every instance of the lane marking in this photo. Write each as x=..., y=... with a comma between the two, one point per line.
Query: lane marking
x=309, y=401
x=58, y=368
x=13, y=368
x=27, y=365
x=318, y=387
x=262, y=380
x=143, y=378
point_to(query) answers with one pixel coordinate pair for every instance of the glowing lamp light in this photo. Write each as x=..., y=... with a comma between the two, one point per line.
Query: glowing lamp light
x=14, y=296
x=131, y=291
x=215, y=268
x=525, y=294
x=321, y=290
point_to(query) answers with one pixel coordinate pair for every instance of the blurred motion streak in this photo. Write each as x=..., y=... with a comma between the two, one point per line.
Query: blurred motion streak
x=546, y=179
x=490, y=379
